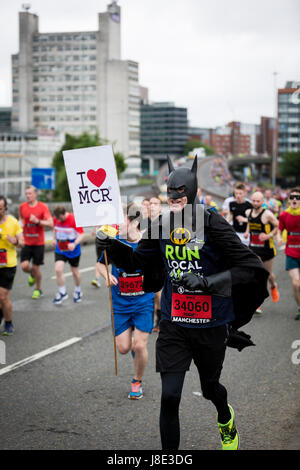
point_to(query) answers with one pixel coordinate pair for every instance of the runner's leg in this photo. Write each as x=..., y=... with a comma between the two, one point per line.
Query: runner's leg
x=209, y=362
x=269, y=267
x=139, y=347
x=59, y=273
x=76, y=275
x=6, y=305
x=123, y=341
x=36, y=273
x=295, y=278
x=26, y=267
x=172, y=383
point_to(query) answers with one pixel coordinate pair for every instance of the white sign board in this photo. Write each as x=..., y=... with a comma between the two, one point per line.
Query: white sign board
x=94, y=186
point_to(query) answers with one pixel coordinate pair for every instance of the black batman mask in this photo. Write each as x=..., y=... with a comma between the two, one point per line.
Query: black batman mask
x=182, y=182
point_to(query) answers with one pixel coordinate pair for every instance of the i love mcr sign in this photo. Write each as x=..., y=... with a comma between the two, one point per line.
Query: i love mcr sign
x=94, y=186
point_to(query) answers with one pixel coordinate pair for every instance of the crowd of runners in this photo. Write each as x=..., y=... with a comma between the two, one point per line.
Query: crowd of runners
x=260, y=221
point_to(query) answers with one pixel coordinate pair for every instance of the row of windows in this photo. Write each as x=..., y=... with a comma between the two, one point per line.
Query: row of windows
x=54, y=109
x=161, y=122
x=164, y=138
x=152, y=109
x=288, y=148
x=163, y=130
x=85, y=117
x=64, y=58
x=73, y=129
x=288, y=98
x=54, y=88
x=62, y=68
x=65, y=37
x=288, y=118
x=134, y=90
x=63, y=78
x=53, y=98
x=284, y=108
x=134, y=136
x=162, y=149
x=134, y=99
x=64, y=47
x=133, y=78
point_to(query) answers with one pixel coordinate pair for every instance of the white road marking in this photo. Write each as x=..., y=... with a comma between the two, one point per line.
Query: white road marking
x=39, y=355
x=84, y=270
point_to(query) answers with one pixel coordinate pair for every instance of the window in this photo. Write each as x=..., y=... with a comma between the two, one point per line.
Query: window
x=283, y=97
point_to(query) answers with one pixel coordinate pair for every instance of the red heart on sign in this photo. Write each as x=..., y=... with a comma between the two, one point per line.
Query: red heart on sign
x=97, y=177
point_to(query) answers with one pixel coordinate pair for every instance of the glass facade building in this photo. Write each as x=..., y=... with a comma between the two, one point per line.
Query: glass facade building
x=289, y=118
x=164, y=129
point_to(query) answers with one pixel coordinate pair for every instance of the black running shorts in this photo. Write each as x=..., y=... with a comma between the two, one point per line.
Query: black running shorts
x=74, y=262
x=265, y=254
x=7, y=276
x=177, y=346
x=34, y=252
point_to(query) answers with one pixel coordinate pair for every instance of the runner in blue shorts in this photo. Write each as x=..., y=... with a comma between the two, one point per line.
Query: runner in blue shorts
x=133, y=308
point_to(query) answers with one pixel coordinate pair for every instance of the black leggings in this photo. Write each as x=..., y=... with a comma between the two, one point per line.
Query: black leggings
x=172, y=384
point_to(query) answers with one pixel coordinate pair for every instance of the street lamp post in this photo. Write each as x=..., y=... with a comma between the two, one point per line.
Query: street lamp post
x=274, y=133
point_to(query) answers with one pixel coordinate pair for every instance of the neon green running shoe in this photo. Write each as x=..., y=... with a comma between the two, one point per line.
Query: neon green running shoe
x=229, y=434
x=31, y=280
x=36, y=294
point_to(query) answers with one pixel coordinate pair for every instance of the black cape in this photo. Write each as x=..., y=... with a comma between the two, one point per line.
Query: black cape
x=240, y=260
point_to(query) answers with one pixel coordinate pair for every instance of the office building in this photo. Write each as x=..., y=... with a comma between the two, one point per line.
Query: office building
x=73, y=82
x=164, y=131
x=289, y=118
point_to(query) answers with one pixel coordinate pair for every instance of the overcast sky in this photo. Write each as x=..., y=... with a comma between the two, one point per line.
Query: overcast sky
x=215, y=57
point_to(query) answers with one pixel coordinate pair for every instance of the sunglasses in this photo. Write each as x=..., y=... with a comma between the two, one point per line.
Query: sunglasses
x=294, y=196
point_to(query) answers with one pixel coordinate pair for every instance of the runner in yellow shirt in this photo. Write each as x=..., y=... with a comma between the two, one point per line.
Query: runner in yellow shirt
x=10, y=237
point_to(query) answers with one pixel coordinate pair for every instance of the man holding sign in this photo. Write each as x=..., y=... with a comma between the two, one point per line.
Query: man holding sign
x=212, y=285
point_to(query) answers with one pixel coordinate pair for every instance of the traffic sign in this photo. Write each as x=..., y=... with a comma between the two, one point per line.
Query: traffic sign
x=43, y=178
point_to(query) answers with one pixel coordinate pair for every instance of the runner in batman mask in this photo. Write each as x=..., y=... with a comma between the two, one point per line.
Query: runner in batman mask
x=212, y=285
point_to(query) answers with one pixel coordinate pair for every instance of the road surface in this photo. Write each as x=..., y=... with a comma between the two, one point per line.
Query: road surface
x=70, y=398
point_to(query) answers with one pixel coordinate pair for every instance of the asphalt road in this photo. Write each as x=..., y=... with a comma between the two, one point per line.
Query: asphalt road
x=72, y=399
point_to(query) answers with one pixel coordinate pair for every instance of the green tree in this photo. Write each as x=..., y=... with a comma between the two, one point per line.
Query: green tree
x=61, y=192
x=193, y=144
x=290, y=164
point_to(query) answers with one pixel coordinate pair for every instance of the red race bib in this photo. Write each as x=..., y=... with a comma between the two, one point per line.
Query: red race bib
x=190, y=308
x=63, y=245
x=293, y=240
x=255, y=241
x=131, y=284
x=3, y=257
